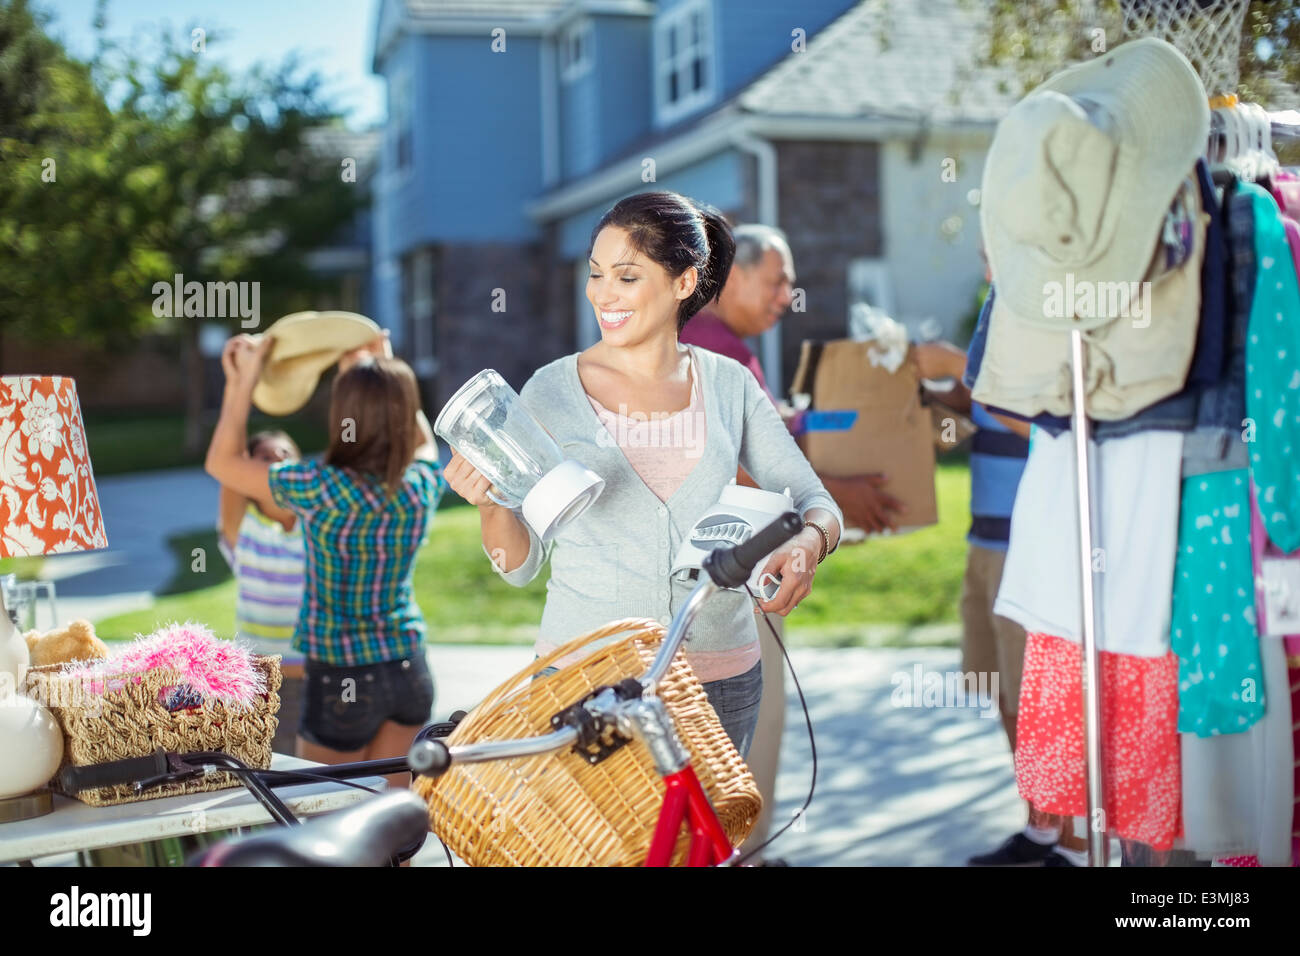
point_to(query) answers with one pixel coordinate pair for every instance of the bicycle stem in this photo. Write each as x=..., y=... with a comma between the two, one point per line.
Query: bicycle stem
x=677, y=631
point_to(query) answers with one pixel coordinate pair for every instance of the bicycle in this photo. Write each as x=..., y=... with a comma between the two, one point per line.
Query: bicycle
x=385, y=829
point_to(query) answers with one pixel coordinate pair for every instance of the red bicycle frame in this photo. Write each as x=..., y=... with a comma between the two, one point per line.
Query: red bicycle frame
x=685, y=802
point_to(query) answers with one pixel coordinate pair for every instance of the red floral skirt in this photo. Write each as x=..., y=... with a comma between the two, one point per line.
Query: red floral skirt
x=1140, y=748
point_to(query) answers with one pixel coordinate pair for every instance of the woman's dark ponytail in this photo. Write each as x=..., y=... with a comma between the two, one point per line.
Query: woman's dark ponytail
x=677, y=233
x=713, y=276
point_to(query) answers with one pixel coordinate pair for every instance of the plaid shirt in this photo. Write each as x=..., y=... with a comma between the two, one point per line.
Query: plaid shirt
x=358, y=604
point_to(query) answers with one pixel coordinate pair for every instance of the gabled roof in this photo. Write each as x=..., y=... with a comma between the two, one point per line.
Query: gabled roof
x=478, y=9
x=902, y=59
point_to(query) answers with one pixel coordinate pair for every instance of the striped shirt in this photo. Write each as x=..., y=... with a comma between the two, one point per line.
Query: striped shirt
x=359, y=603
x=267, y=562
x=997, y=460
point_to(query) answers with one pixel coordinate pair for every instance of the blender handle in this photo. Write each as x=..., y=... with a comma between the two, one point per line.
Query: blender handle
x=503, y=502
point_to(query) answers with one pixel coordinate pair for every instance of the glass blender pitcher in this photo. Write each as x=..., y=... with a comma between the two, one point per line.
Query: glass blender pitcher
x=487, y=423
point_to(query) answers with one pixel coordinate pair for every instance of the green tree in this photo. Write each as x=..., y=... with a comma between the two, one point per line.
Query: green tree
x=1036, y=38
x=187, y=170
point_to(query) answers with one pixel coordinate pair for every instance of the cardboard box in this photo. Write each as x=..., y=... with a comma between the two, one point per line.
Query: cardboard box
x=952, y=428
x=868, y=420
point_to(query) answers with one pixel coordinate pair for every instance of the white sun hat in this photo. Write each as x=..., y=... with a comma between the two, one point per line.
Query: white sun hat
x=1082, y=171
x=306, y=344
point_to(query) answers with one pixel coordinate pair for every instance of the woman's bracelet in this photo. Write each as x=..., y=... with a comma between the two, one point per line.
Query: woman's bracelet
x=826, y=538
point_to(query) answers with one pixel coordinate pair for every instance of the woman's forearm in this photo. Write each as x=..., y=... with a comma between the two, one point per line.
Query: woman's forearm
x=505, y=538
x=231, y=434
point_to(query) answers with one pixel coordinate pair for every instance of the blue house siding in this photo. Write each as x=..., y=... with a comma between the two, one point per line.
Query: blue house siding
x=758, y=34
x=624, y=78
x=610, y=106
x=476, y=140
x=718, y=180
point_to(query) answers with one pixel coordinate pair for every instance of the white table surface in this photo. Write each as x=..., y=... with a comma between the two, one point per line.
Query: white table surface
x=74, y=825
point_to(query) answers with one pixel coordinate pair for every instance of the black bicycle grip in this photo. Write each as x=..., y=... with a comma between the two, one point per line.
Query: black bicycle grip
x=91, y=776
x=429, y=758
x=731, y=567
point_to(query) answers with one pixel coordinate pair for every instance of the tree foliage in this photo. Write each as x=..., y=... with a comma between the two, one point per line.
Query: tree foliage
x=1038, y=37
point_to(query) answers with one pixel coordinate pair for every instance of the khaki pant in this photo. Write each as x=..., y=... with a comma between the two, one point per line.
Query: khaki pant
x=765, y=751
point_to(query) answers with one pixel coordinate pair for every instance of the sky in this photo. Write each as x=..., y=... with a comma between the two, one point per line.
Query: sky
x=332, y=36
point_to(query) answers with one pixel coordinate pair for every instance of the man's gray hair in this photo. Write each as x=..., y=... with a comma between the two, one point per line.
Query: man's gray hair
x=754, y=239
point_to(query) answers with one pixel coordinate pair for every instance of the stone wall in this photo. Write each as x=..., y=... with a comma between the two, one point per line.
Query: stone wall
x=470, y=336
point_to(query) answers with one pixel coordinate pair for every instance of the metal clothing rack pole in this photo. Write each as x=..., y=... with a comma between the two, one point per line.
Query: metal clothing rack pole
x=1098, y=842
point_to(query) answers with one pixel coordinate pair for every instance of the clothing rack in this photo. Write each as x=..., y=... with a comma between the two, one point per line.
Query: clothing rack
x=1283, y=125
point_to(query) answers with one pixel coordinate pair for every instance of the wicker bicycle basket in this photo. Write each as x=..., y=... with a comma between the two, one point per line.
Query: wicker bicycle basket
x=123, y=716
x=558, y=810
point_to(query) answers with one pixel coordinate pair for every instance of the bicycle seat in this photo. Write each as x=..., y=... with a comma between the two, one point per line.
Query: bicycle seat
x=369, y=834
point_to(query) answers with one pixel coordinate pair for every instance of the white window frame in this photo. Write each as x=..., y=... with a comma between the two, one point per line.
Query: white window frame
x=577, y=51
x=587, y=328
x=680, y=63
x=868, y=280
x=401, y=115
x=420, y=321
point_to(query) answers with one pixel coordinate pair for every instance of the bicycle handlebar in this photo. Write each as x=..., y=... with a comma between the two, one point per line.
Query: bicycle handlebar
x=725, y=567
x=731, y=567
x=73, y=779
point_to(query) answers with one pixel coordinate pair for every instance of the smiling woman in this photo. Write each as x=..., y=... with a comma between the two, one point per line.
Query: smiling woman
x=656, y=259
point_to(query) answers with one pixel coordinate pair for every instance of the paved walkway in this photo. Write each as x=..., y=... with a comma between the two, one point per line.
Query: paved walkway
x=896, y=786
x=141, y=512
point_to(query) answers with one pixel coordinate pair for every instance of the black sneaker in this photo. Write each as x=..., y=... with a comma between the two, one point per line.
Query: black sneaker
x=1058, y=859
x=1018, y=850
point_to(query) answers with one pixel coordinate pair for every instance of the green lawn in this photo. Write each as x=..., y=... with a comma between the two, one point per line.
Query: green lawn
x=877, y=592
x=146, y=441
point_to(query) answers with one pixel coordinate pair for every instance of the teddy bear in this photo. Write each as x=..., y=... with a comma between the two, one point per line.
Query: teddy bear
x=76, y=642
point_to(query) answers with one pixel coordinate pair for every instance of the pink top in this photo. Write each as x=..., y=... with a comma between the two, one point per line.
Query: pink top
x=663, y=449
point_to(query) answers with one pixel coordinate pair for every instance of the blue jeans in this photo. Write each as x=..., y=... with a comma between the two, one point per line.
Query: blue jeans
x=736, y=700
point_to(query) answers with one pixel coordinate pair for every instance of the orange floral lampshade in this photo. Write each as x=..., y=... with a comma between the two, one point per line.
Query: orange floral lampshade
x=48, y=503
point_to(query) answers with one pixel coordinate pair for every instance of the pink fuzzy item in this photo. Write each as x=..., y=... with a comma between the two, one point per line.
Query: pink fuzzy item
x=215, y=668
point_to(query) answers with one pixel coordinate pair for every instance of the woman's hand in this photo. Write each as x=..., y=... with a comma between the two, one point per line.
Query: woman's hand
x=242, y=359
x=796, y=562
x=380, y=347
x=467, y=482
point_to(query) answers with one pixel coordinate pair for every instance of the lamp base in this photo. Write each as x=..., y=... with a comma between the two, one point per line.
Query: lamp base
x=26, y=806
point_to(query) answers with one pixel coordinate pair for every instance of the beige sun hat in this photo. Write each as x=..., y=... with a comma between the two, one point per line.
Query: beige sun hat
x=1082, y=171
x=306, y=344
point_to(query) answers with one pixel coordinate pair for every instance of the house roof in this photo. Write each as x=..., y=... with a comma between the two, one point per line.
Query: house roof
x=363, y=146
x=903, y=59
x=477, y=9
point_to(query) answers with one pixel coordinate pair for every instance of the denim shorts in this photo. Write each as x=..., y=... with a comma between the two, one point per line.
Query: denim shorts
x=344, y=706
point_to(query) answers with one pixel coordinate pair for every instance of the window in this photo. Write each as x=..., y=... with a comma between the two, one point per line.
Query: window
x=399, y=122
x=417, y=311
x=869, y=284
x=577, y=52
x=684, y=67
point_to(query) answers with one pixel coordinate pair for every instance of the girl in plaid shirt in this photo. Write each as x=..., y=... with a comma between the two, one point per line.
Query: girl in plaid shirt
x=364, y=510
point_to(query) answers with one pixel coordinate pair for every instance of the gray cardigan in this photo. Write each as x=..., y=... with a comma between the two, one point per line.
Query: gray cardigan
x=613, y=561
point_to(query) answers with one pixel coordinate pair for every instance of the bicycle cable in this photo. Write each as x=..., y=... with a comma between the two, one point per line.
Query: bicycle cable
x=812, y=741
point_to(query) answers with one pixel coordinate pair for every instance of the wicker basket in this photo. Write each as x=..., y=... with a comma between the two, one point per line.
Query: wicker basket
x=558, y=810
x=130, y=721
